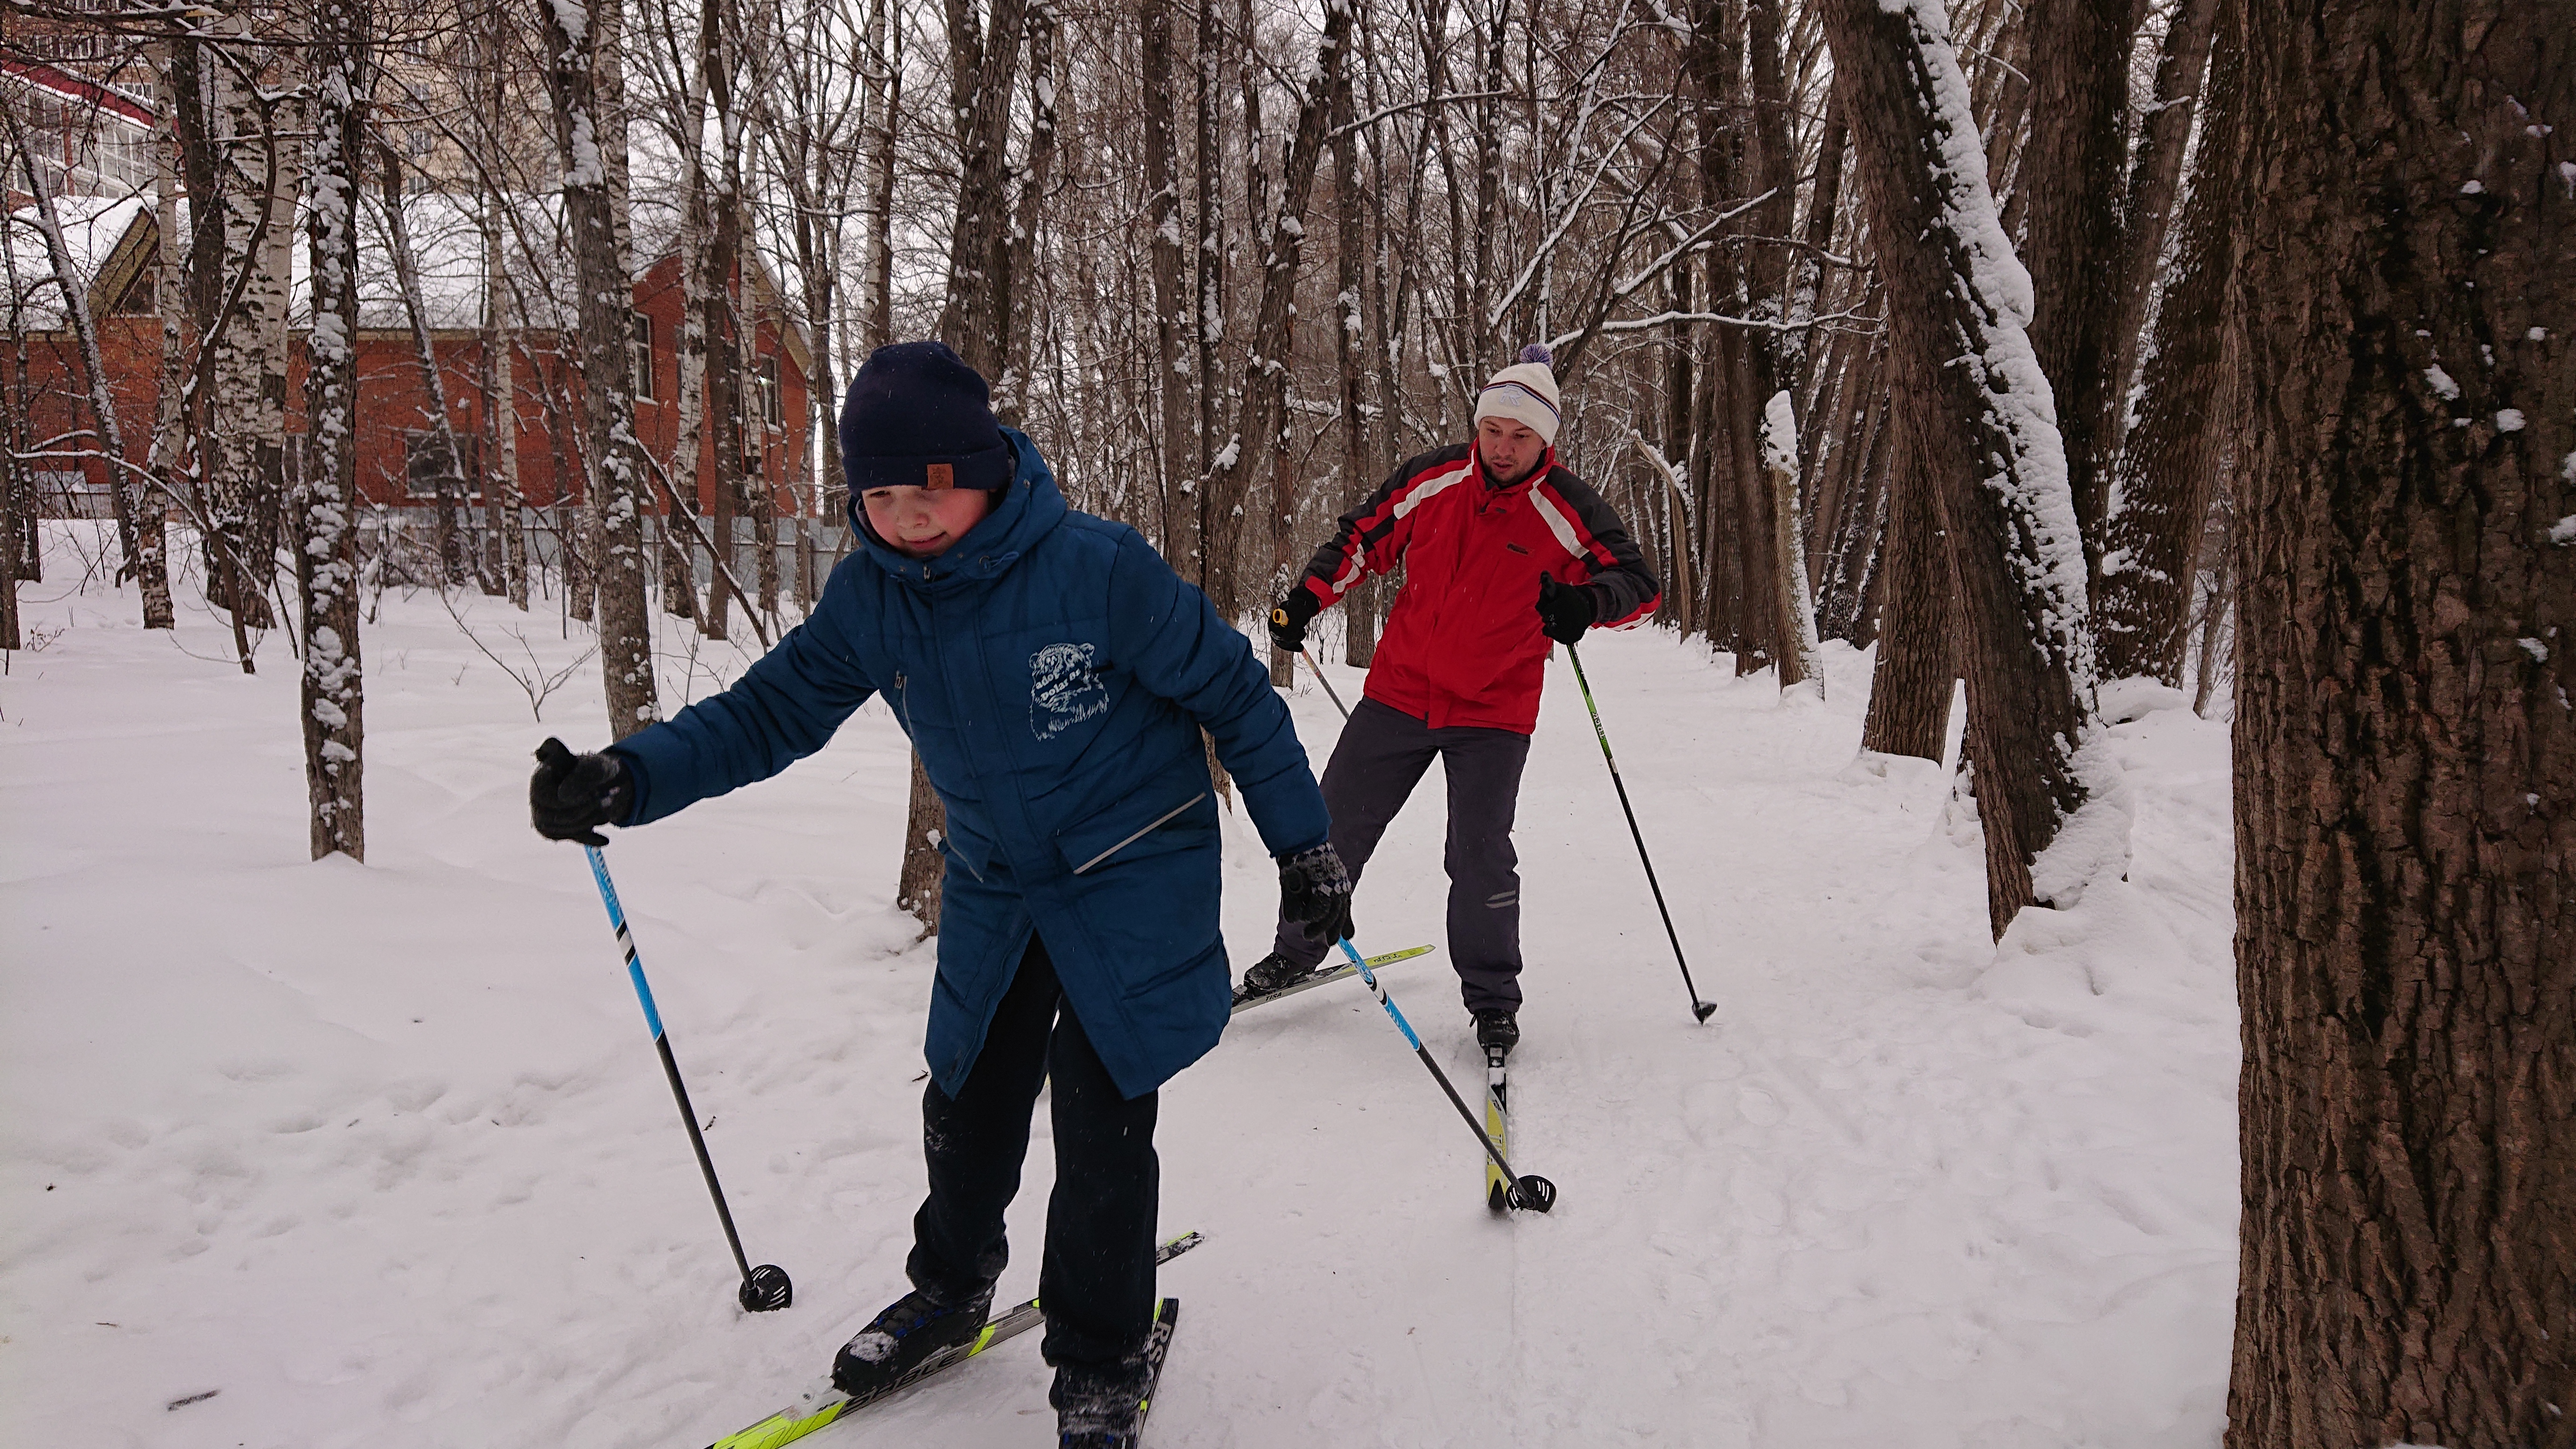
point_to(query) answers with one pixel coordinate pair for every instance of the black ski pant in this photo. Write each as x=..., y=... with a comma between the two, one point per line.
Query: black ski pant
x=1097, y=1277
x=1380, y=758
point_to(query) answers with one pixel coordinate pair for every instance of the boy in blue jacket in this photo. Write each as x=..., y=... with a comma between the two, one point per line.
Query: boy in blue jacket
x=1054, y=675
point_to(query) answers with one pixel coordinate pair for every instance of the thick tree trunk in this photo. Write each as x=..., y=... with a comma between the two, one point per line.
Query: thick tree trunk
x=2072, y=171
x=325, y=532
x=1958, y=304
x=2405, y=750
x=2155, y=180
x=584, y=76
x=1793, y=602
x=983, y=65
x=2169, y=461
x=1918, y=652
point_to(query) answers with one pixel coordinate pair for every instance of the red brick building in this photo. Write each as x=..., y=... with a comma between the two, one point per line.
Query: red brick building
x=115, y=247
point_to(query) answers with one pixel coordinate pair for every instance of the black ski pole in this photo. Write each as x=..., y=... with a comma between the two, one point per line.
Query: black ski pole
x=1700, y=1009
x=763, y=1288
x=1328, y=684
x=1533, y=1192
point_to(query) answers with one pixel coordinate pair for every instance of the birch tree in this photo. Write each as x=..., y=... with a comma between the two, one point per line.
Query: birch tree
x=326, y=556
x=585, y=80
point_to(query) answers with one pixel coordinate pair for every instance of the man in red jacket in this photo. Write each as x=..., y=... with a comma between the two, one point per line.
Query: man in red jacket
x=1503, y=549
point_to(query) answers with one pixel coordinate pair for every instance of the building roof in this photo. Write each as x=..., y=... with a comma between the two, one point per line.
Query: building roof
x=113, y=240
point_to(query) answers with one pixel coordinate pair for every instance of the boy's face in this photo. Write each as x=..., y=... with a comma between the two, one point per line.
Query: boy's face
x=925, y=522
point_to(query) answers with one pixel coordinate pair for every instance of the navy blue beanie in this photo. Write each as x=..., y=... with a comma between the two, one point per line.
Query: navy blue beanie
x=918, y=416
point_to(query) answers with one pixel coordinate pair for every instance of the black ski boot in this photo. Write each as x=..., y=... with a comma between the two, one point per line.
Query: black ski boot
x=1497, y=1029
x=1269, y=974
x=1102, y=1408
x=911, y=1329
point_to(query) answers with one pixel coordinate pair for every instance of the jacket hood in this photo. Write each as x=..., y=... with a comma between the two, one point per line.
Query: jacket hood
x=1022, y=514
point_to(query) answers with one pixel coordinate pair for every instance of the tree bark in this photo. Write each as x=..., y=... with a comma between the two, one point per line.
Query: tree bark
x=584, y=77
x=983, y=63
x=2072, y=171
x=1958, y=304
x=1909, y=690
x=1179, y=498
x=2406, y=754
x=326, y=535
x=2169, y=461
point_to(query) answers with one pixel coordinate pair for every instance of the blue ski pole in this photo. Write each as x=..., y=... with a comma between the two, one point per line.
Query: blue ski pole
x=763, y=1288
x=1533, y=1192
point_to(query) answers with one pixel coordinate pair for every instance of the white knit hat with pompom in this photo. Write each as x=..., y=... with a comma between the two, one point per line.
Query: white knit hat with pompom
x=1525, y=392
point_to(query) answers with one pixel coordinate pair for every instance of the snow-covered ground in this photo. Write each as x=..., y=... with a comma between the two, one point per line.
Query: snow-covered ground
x=380, y=1154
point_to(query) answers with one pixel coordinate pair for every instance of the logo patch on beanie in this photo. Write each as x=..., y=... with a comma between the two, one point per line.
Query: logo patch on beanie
x=941, y=475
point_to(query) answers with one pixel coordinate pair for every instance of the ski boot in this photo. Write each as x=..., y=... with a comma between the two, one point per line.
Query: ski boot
x=910, y=1330
x=1102, y=1408
x=1498, y=1030
x=1269, y=974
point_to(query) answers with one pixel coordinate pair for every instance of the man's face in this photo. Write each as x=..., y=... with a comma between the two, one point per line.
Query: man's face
x=1509, y=449
x=925, y=522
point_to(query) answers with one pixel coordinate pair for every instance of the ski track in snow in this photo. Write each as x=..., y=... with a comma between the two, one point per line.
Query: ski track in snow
x=382, y=1154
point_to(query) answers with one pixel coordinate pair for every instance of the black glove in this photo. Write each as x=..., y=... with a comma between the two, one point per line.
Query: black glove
x=1565, y=610
x=571, y=795
x=1315, y=891
x=1288, y=621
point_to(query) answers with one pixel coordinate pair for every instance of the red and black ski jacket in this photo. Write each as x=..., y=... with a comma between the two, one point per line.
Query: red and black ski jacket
x=1462, y=645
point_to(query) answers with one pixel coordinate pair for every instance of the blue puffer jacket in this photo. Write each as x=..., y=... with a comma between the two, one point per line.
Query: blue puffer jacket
x=1054, y=674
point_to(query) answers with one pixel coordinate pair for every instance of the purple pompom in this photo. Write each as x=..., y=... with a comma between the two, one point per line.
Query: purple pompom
x=1537, y=352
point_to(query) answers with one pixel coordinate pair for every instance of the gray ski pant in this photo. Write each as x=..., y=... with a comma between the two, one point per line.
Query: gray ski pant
x=1381, y=756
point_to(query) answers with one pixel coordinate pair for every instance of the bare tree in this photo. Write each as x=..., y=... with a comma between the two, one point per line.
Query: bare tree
x=585, y=80
x=326, y=499
x=2405, y=750
x=1958, y=312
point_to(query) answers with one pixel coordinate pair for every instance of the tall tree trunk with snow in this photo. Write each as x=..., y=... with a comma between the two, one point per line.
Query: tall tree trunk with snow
x=1958, y=310
x=1262, y=430
x=983, y=62
x=1800, y=658
x=127, y=498
x=1180, y=530
x=983, y=65
x=2191, y=389
x=2405, y=749
x=1207, y=330
x=500, y=344
x=2072, y=174
x=885, y=49
x=1018, y=254
x=585, y=84
x=1351, y=344
x=1918, y=632
x=247, y=417
x=700, y=278
x=326, y=495
x=445, y=454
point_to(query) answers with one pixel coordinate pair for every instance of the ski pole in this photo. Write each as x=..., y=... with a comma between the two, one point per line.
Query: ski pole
x=1700, y=1009
x=763, y=1288
x=1533, y=1192
x=1328, y=684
